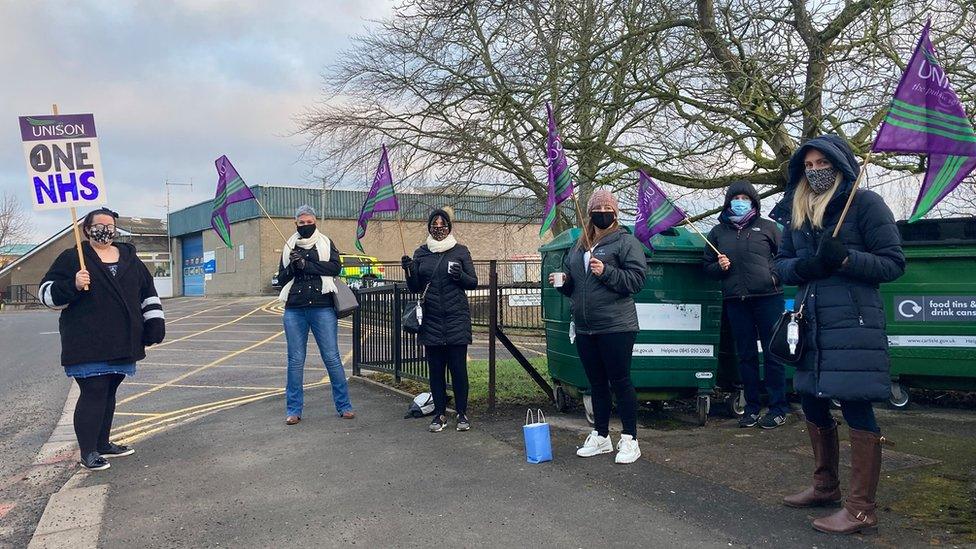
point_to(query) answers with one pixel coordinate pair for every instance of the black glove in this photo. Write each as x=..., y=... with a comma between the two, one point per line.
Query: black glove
x=811, y=268
x=455, y=271
x=832, y=254
x=297, y=260
x=407, y=262
x=153, y=331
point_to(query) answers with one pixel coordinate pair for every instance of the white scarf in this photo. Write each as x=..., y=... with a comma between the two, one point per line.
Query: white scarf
x=324, y=247
x=438, y=246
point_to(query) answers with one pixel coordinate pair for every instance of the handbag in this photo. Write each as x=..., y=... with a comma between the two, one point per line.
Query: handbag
x=413, y=316
x=345, y=300
x=538, y=442
x=789, y=335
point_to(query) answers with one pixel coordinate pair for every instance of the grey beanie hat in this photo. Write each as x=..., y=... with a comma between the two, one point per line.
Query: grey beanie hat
x=305, y=209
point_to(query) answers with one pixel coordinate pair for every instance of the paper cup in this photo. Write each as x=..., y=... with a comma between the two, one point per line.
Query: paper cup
x=558, y=279
x=451, y=264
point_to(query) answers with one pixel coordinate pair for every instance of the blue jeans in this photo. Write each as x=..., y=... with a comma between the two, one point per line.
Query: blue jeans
x=324, y=325
x=859, y=414
x=752, y=319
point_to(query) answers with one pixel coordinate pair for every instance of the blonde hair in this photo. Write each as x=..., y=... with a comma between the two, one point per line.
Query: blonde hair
x=810, y=206
x=590, y=230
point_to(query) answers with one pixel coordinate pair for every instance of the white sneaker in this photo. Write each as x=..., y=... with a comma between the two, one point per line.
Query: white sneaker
x=595, y=445
x=627, y=450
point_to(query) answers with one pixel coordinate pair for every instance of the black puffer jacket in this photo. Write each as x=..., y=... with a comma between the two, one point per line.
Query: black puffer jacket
x=115, y=319
x=605, y=304
x=750, y=250
x=447, y=317
x=307, y=289
x=846, y=353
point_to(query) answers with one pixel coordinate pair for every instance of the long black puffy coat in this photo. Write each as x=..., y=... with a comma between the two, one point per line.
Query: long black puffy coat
x=750, y=250
x=447, y=316
x=846, y=353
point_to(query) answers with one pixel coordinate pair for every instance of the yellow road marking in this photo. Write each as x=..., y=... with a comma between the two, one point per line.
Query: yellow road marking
x=200, y=369
x=238, y=319
x=138, y=414
x=205, y=311
x=184, y=386
x=134, y=424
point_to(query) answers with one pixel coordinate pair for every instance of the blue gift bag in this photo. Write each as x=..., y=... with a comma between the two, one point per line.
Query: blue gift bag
x=538, y=444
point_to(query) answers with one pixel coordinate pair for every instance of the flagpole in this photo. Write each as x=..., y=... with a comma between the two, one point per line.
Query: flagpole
x=579, y=213
x=691, y=224
x=403, y=242
x=850, y=199
x=271, y=220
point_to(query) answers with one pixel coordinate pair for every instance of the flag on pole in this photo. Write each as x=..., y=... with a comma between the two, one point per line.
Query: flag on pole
x=926, y=117
x=560, y=181
x=230, y=189
x=655, y=213
x=381, y=198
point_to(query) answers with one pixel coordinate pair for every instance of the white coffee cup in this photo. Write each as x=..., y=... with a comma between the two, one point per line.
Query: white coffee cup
x=558, y=279
x=451, y=264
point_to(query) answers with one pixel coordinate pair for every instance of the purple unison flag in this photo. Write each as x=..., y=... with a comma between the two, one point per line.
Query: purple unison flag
x=381, y=198
x=926, y=117
x=230, y=189
x=560, y=180
x=655, y=213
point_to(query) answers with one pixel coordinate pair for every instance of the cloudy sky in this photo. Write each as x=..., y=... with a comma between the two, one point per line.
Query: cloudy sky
x=172, y=85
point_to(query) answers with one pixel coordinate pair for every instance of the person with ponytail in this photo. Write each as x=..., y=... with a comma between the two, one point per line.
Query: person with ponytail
x=845, y=352
x=601, y=274
x=442, y=271
x=309, y=261
x=110, y=313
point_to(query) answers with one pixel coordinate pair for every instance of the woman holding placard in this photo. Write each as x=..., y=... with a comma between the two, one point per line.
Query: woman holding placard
x=442, y=271
x=600, y=278
x=109, y=314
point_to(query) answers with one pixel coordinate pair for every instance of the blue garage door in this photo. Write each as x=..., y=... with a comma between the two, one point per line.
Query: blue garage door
x=193, y=265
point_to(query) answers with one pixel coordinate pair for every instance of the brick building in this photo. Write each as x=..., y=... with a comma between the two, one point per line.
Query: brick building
x=492, y=227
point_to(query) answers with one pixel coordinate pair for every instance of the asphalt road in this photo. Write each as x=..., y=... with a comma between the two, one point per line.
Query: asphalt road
x=32, y=393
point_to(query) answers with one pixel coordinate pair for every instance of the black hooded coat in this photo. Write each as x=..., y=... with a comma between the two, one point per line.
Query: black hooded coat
x=750, y=250
x=846, y=346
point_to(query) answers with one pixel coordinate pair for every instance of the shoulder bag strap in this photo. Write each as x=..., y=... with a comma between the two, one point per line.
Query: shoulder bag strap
x=429, y=282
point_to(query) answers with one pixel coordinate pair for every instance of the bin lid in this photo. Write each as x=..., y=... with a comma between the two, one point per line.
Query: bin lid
x=959, y=231
x=675, y=241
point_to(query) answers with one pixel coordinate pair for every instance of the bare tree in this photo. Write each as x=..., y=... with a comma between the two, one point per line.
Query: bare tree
x=15, y=226
x=697, y=92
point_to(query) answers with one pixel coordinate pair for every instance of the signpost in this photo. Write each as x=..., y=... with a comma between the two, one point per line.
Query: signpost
x=63, y=164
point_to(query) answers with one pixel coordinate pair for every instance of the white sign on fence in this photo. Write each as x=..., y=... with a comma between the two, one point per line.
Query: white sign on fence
x=932, y=341
x=669, y=316
x=63, y=162
x=525, y=300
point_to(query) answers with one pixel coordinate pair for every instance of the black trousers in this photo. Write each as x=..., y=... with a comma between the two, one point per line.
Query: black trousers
x=95, y=411
x=859, y=414
x=440, y=359
x=606, y=359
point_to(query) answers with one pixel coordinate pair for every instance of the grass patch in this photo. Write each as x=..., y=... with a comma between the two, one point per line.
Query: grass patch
x=513, y=385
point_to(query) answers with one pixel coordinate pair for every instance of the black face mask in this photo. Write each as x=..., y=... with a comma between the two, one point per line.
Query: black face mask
x=306, y=231
x=602, y=220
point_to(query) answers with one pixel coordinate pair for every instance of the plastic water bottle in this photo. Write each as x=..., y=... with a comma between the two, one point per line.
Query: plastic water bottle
x=420, y=314
x=572, y=331
x=793, y=335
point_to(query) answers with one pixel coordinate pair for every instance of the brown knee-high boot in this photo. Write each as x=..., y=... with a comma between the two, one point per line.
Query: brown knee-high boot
x=859, y=509
x=825, y=491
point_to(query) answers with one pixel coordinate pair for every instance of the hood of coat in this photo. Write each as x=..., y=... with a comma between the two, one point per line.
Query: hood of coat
x=840, y=154
x=735, y=189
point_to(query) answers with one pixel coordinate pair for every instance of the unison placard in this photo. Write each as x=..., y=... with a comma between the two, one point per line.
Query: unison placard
x=63, y=162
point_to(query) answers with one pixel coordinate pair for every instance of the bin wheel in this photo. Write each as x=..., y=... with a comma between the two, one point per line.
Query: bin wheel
x=702, y=406
x=736, y=403
x=900, y=397
x=835, y=404
x=588, y=409
x=561, y=399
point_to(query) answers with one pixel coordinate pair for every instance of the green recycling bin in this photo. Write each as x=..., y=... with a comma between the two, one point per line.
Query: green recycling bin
x=678, y=348
x=931, y=309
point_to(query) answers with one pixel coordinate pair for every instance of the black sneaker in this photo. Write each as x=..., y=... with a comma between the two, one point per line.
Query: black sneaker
x=462, y=422
x=114, y=450
x=438, y=424
x=772, y=421
x=94, y=462
x=748, y=420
